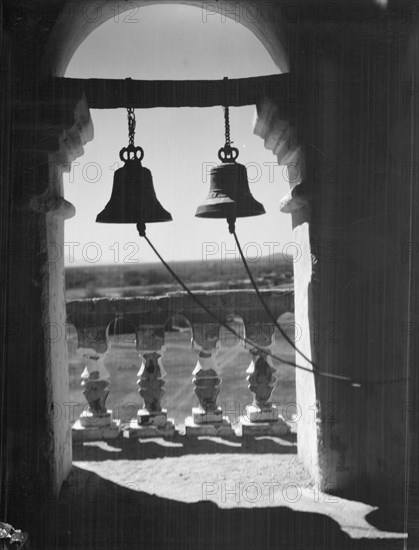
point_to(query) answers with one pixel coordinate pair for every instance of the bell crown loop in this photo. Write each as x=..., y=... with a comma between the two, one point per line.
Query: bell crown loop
x=131, y=152
x=228, y=153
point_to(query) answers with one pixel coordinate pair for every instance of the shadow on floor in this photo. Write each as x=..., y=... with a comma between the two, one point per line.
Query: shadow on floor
x=94, y=513
x=133, y=449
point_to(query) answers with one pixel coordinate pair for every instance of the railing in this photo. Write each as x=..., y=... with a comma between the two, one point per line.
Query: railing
x=148, y=317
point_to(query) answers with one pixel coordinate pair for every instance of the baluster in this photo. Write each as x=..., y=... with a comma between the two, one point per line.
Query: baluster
x=207, y=418
x=262, y=416
x=151, y=419
x=96, y=421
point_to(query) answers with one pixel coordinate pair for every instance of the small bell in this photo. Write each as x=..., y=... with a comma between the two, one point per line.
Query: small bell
x=229, y=195
x=133, y=198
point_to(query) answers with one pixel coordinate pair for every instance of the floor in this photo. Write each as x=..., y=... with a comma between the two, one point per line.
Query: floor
x=204, y=494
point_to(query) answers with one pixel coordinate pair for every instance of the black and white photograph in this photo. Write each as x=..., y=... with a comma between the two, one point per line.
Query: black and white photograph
x=209, y=273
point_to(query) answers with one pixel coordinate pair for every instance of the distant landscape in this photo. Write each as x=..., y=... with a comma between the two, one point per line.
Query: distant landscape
x=153, y=279
x=179, y=360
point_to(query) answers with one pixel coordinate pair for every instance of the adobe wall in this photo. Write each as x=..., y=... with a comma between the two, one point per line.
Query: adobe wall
x=358, y=291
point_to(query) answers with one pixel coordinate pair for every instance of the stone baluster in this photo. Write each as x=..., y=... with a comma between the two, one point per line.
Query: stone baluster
x=96, y=421
x=151, y=419
x=207, y=418
x=262, y=417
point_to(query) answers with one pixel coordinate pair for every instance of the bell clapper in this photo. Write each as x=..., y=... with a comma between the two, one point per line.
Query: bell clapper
x=231, y=224
x=141, y=229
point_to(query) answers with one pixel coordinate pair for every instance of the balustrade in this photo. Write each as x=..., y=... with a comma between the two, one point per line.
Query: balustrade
x=96, y=421
x=151, y=418
x=148, y=317
x=207, y=418
x=262, y=416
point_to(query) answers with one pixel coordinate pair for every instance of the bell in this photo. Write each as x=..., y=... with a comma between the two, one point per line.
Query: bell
x=229, y=195
x=133, y=198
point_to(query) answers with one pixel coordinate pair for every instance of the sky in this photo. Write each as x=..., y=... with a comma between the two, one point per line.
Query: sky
x=180, y=144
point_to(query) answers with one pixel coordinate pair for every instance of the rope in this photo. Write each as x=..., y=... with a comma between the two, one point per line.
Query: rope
x=265, y=307
x=266, y=351
x=353, y=382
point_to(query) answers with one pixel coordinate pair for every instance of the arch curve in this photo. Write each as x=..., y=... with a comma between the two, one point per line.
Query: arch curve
x=75, y=24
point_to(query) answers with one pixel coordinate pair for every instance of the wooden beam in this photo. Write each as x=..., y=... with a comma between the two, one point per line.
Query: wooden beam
x=147, y=94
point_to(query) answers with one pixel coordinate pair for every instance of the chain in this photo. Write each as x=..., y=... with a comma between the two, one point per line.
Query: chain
x=131, y=125
x=226, y=115
x=227, y=126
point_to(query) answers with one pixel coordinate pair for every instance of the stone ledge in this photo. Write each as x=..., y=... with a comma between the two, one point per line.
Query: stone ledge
x=81, y=433
x=276, y=428
x=133, y=430
x=220, y=429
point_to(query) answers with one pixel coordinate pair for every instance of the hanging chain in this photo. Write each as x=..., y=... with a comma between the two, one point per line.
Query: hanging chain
x=226, y=115
x=131, y=153
x=131, y=125
x=227, y=153
x=227, y=126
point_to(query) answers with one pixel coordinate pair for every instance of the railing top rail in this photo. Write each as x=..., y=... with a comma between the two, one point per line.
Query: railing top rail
x=158, y=309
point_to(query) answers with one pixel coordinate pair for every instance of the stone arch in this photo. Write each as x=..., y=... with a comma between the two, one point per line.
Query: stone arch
x=75, y=23
x=325, y=56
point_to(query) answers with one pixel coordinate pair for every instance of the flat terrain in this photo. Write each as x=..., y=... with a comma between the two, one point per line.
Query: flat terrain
x=153, y=279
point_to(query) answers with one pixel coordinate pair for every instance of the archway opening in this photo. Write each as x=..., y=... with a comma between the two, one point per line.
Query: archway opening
x=180, y=147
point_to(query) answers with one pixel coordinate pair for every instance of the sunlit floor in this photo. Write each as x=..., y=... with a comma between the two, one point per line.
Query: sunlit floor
x=205, y=493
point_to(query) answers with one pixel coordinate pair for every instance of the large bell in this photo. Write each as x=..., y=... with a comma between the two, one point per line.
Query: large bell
x=133, y=199
x=229, y=195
